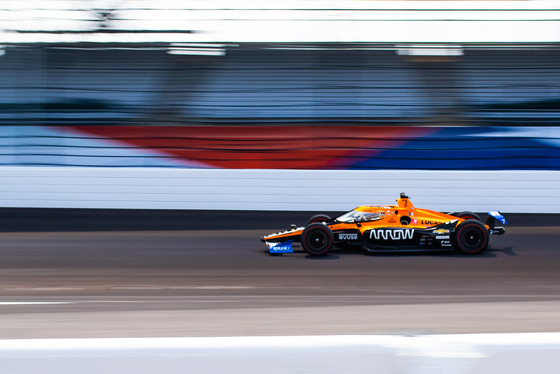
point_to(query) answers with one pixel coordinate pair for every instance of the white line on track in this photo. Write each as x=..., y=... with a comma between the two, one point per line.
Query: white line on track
x=44, y=289
x=3, y=303
x=211, y=287
x=183, y=288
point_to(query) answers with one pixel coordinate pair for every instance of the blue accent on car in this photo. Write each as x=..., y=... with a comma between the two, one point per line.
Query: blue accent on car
x=498, y=216
x=285, y=247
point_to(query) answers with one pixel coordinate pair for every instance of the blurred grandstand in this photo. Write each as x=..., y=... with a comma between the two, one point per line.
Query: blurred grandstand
x=177, y=62
x=313, y=62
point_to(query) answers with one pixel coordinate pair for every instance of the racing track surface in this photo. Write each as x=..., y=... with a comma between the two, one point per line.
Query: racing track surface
x=223, y=283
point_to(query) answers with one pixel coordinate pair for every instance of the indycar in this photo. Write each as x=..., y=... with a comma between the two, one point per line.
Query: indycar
x=390, y=228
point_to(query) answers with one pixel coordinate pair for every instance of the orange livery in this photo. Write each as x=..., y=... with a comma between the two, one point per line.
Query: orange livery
x=391, y=228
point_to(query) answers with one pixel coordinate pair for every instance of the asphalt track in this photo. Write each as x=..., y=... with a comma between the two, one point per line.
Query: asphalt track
x=222, y=282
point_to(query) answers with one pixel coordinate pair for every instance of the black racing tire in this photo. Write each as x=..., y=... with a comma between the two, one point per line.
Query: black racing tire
x=317, y=239
x=471, y=237
x=466, y=215
x=318, y=218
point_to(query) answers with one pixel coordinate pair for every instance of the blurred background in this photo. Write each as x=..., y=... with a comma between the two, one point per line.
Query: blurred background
x=279, y=85
x=218, y=121
x=217, y=83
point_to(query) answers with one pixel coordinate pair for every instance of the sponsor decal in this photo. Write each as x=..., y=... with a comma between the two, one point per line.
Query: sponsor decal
x=389, y=234
x=442, y=237
x=441, y=231
x=428, y=222
x=414, y=221
x=347, y=236
x=285, y=247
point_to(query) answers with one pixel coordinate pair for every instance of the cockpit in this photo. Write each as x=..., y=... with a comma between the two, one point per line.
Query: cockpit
x=356, y=216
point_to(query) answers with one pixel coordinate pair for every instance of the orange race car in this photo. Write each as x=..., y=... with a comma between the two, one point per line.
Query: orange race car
x=390, y=228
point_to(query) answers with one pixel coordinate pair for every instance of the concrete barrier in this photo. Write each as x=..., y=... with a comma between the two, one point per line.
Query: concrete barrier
x=513, y=191
x=449, y=354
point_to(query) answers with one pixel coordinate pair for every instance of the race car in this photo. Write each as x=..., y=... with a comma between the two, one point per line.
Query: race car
x=390, y=228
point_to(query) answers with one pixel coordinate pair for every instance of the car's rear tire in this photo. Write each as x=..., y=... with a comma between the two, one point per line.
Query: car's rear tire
x=466, y=215
x=317, y=239
x=471, y=237
x=318, y=218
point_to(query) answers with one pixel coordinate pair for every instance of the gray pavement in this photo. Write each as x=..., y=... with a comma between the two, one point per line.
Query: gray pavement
x=223, y=283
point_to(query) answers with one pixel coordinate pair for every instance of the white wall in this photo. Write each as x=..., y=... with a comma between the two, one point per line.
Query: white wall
x=288, y=190
x=436, y=354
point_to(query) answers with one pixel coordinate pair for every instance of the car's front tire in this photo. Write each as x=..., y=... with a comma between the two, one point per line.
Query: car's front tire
x=471, y=237
x=317, y=239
